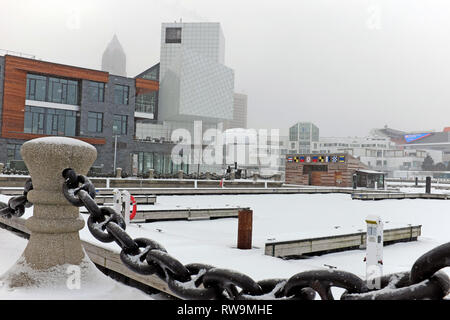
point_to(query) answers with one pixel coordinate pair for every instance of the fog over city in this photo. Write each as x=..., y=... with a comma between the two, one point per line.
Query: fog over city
x=347, y=66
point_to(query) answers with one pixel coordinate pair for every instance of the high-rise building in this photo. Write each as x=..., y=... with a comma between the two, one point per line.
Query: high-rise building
x=194, y=82
x=239, y=112
x=301, y=136
x=114, y=60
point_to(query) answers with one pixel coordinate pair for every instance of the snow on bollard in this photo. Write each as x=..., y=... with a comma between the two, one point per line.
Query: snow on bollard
x=54, y=264
x=374, y=251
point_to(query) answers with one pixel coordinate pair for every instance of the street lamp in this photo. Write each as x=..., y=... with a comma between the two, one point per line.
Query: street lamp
x=115, y=151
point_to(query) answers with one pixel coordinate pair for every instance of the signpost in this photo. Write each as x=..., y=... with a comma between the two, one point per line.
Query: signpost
x=374, y=251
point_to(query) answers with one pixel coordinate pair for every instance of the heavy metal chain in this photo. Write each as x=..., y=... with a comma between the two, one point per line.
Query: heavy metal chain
x=16, y=205
x=201, y=281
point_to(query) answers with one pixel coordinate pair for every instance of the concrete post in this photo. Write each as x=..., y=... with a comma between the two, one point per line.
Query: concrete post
x=118, y=172
x=208, y=175
x=54, y=262
x=55, y=222
x=180, y=174
x=245, y=225
x=232, y=175
x=151, y=173
x=2, y=165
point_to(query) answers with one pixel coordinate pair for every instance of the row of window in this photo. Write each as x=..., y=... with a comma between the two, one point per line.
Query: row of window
x=50, y=89
x=58, y=90
x=50, y=121
x=95, y=123
x=161, y=163
x=65, y=122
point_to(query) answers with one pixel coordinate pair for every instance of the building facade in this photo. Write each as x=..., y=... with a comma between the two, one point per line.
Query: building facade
x=40, y=98
x=239, y=112
x=301, y=137
x=194, y=82
x=334, y=170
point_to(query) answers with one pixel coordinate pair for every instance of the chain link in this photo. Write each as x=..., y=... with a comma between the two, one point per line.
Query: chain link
x=202, y=281
x=16, y=205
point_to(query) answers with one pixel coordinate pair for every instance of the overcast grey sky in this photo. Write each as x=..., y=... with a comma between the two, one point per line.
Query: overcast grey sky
x=346, y=65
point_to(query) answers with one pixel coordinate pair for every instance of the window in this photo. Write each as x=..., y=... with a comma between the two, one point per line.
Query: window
x=57, y=90
x=146, y=102
x=13, y=151
x=60, y=122
x=34, y=120
x=121, y=94
x=96, y=91
x=120, y=124
x=161, y=163
x=173, y=35
x=95, y=122
x=36, y=87
x=50, y=121
x=62, y=91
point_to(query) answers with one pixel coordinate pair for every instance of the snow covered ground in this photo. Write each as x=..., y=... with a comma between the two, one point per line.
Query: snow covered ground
x=279, y=217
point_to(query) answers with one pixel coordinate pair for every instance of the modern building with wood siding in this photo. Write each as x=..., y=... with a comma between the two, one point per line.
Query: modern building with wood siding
x=322, y=169
x=40, y=98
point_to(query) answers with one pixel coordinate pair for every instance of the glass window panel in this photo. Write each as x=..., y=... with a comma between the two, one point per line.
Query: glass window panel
x=70, y=128
x=173, y=35
x=121, y=94
x=95, y=122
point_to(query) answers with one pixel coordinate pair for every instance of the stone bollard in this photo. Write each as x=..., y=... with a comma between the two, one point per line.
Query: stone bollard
x=208, y=175
x=180, y=174
x=232, y=175
x=54, y=262
x=55, y=222
x=118, y=172
x=151, y=174
x=2, y=166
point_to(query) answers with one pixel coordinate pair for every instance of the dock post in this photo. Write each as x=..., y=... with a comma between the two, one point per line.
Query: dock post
x=428, y=185
x=55, y=223
x=245, y=225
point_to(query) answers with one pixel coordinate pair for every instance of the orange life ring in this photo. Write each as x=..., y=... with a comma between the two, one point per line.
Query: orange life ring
x=134, y=204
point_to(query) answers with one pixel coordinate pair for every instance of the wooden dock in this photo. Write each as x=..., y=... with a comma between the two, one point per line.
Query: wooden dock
x=384, y=196
x=102, y=257
x=140, y=199
x=322, y=245
x=183, y=214
x=12, y=191
x=186, y=214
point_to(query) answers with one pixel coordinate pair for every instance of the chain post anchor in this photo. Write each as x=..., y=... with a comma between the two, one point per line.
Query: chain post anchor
x=54, y=238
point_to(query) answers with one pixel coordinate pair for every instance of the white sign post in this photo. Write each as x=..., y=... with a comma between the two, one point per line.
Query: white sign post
x=126, y=206
x=117, y=201
x=122, y=204
x=374, y=251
